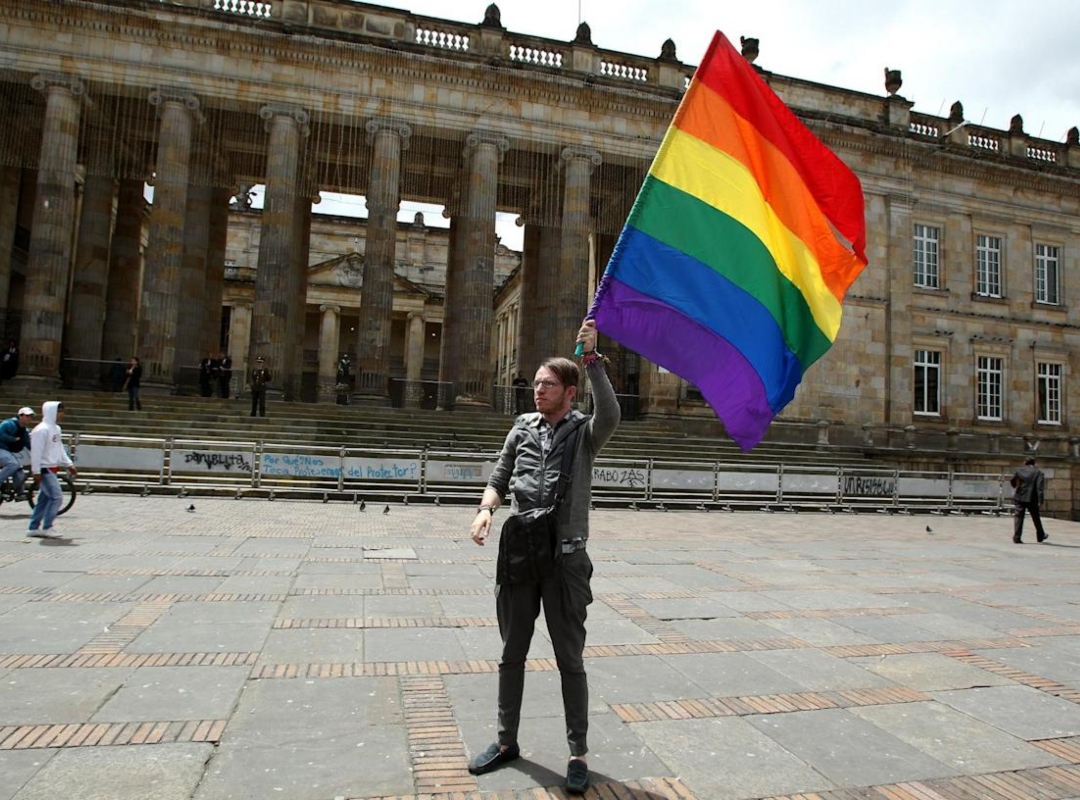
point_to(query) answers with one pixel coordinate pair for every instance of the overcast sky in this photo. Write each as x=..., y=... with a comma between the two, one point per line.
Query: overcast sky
x=998, y=57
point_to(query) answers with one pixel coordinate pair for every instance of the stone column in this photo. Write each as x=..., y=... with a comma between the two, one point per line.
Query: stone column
x=125, y=274
x=88, y=289
x=469, y=312
x=298, y=320
x=191, y=309
x=899, y=396
x=275, y=280
x=158, y=315
x=214, y=285
x=10, y=184
x=414, y=359
x=329, y=338
x=239, y=342
x=50, y=232
x=388, y=139
x=574, y=296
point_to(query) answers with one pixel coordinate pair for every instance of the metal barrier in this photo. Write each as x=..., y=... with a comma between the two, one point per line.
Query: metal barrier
x=185, y=465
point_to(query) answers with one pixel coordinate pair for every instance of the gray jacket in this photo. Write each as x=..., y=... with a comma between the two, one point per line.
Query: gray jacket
x=1030, y=484
x=518, y=469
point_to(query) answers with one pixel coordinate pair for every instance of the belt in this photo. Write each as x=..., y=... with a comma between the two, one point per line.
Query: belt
x=572, y=546
x=50, y=469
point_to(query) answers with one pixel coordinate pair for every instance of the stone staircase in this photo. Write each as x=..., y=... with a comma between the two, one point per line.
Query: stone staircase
x=389, y=429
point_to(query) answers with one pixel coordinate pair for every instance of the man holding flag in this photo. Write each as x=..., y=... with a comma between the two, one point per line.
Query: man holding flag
x=529, y=468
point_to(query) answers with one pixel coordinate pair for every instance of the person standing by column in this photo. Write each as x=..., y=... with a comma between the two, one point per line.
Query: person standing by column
x=133, y=381
x=225, y=376
x=1030, y=485
x=208, y=374
x=260, y=379
x=530, y=463
x=47, y=456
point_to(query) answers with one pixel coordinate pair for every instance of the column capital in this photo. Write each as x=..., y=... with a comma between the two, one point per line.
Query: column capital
x=325, y=308
x=289, y=111
x=477, y=138
x=73, y=83
x=387, y=125
x=414, y=314
x=592, y=157
x=161, y=96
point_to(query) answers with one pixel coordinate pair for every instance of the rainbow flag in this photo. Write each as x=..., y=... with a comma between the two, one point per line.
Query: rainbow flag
x=733, y=264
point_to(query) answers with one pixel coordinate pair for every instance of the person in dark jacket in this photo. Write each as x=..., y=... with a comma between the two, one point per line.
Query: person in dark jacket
x=134, y=379
x=14, y=447
x=260, y=379
x=530, y=462
x=1030, y=485
x=9, y=361
x=209, y=371
x=224, y=376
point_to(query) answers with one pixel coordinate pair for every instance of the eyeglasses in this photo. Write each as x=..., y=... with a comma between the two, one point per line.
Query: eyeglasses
x=545, y=384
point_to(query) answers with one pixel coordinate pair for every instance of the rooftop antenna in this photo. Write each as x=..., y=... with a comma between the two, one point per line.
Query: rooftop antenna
x=578, y=12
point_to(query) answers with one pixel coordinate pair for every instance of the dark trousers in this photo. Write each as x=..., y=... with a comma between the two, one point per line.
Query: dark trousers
x=258, y=402
x=223, y=386
x=1019, y=507
x=133, y=399
x=565, y=597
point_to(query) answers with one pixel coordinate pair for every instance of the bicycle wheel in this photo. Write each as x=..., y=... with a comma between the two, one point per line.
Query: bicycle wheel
x=68, y=487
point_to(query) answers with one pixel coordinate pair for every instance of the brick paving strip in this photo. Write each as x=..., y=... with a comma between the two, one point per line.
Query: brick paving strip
x=436, y=750
x=1045, y=783
x=643, y=789
x=92, y=734
x=1017, y=675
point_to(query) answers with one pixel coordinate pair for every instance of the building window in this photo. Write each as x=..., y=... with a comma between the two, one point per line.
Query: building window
x=928, y=382
x=1048, y=378
x=1047, y=274
x=926, y=250
x=989, y=375
x=988, y=266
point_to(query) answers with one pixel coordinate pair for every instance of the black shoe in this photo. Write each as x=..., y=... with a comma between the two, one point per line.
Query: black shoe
x=1043, y=538
x=493, y=758
x=1017, y=540
x=577, y=776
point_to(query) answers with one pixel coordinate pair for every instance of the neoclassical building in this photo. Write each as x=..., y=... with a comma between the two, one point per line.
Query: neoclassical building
x=965, y=321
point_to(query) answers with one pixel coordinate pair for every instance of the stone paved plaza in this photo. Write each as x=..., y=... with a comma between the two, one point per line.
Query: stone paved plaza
x=310, y=651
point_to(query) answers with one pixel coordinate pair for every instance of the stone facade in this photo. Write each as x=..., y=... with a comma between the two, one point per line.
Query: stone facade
x=964, y=324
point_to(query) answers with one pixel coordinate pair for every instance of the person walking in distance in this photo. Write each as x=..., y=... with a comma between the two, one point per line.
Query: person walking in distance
x=47, y=456
x=14, y=447
x=133, y=380
x=1030, y=485
x=260, y=379
x=529, y=467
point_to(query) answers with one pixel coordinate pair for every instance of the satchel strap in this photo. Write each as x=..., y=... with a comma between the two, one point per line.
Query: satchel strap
x=562, y=486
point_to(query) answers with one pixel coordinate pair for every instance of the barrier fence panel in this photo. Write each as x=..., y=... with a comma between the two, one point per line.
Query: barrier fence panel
x=621, y=479
x=126, y=460
x=206, y=462
x=976, y=491
x=747, y=485
x=809, y=486
x=868, y=488
x=316, y=468
x=400, y=470
x=681, y=481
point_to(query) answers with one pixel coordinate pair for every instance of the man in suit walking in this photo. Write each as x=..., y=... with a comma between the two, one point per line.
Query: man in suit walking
x=1030, y=485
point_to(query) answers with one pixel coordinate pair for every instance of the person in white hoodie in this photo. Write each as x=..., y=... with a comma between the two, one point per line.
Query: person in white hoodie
x=47, y=457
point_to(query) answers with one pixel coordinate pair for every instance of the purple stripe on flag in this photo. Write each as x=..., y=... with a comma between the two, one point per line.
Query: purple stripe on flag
x=668, y=338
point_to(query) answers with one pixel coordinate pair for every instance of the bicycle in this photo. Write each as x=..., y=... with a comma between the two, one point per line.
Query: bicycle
x=67, y=483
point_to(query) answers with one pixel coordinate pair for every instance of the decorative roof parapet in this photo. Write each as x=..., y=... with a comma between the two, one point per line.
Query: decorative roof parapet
x=490, y=42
